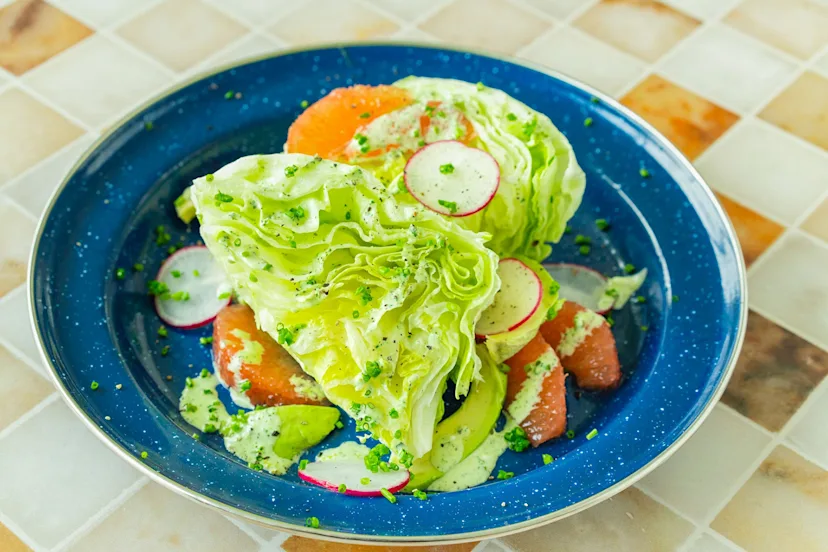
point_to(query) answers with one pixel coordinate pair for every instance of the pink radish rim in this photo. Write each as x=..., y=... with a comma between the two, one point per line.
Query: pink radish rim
x=581, y=268
x=464, y=213
x=351, y=492
x=532, y=312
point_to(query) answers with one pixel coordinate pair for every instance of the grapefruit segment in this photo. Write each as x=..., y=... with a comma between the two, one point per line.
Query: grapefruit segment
x=585, y=345
x=547, y=418
x=253, y=363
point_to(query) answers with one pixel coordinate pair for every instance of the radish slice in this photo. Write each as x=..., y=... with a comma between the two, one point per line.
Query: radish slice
x=451, y=178
x=580, y=284
x=351, y=473
x=192, y=301
x=519, y=297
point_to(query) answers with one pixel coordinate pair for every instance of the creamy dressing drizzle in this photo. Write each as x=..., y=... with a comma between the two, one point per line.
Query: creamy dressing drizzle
x=585, y=323
x=307, y=388
x=249, y=436
x=347, y=451
x=529, y=394
x=448, y=451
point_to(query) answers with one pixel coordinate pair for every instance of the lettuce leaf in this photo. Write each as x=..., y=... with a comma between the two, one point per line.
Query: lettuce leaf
x=541, y=184
x=375, y=299
x=619, y=290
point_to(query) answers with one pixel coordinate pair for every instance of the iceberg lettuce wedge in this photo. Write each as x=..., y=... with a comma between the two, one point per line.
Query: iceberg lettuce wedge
x=376, y=300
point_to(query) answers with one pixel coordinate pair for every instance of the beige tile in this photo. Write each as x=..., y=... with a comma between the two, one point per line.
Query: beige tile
x=55, y=475
x=33, y=190
x=560, y=9
x=31, y=132
x=20, y=388
x=410, y=10
x=799, y=27
x=258, y=12
x=699, y=475
x=821, y=65
x=755, y=232
x=299, y=544
x=775, y=373
x=101, y=14
x=181, y=33
x=486, y=24
x=585, y=58
x=158, y=520
x=817, y=222
x=767, y=170
x=783, y=506
x=727, y=67
x=253, y=45
x=15, y=243
x=414, y=35
x=802, y=108
x=691, y=122
x=32, y=31
x=16, y=330
x=702, y=9
x=9, y=541
x=344, y=20
x=628, y=521
x=707, y=543
x=790, y=286
x=643, y=28
x=809, y=432
x=83, y=83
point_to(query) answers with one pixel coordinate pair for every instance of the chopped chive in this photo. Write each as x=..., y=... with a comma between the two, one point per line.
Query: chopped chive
x=205, y=373
x=176, y=273
x=640, y=299
x=570, y=434
x=165, y=350
x=162, y=331
x=594, y=100
x=448, y=168
x=303, y=104
x=339, y=425
x=188, y=382
x=148, y=125
x=223, y=198
x=644, y=172
x=355, y=314
x=293, y=244
x=364, y=115
x=290, y=171
x=342, y=488
x=511, y=117
x=420, y=494
x=228, y=95
x=138, y=267
x=588, y=122
x=450, y=205
x=365, y=481
x=580, y=239
x=303, y=464
x=205, y=340
x=644, y=328
x=144, y=455
x=253, y=278
x=387, y=494
x=610, y=319
x=120, y=274
x=547, y=459
x=209, y=177
x=629, y=268
x=502, y=474
x=94, y=385
x=675, y=298
x=393, y=413
x=602, y=224
x=591, y=435
x=567, y=229
x=312, y=521
x=584, y=250
x=244, y=386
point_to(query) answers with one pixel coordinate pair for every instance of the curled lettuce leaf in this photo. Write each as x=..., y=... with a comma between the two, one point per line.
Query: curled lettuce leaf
x=375, y=299
x=541, y=183
x=619, y=290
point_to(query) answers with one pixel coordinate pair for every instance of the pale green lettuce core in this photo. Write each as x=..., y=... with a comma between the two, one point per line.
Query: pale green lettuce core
x=541, y=184
x=376, y=300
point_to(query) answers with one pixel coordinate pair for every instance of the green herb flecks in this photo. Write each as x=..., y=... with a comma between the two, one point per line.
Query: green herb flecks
x=450, y=205
x=517, y=439
x=448, y=168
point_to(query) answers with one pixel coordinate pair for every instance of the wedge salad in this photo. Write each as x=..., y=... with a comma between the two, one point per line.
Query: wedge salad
x=391, y=253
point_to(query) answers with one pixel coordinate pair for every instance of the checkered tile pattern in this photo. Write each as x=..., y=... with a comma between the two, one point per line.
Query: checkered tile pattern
x=740, y=86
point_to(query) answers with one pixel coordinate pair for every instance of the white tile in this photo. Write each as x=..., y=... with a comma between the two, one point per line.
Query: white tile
x=410, y=10
x=559, y=9
x=697, y=478
x=263, y=533
x=413, y=35
x=100, y=13
x=33, y=190
x=158, y=520
x=253, y=45
x=809, y=433
x=97, y=80
x=16, y=331
x=766, y=169
x=821, y=65
x=789, y=285
x=707, y=543
x=727, y=67
x=585, y=58
x=702, y=9
x=54, y=475
x=258, y=12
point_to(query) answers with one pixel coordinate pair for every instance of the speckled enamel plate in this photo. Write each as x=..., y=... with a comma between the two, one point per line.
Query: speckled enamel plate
x=94, y=327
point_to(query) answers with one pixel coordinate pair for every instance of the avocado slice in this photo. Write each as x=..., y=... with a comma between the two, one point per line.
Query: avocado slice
x=184, y=207
x=458, y=435
x=303, y=426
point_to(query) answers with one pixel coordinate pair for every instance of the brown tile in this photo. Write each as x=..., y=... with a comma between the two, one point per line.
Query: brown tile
x=181, y=33
x=775, y=373
x=299, y=544
x=782, y=507
x=9, y=541
x=802, y=108
x=755, y=232
x=487, y=24
x=344, y=20
x=817, y=223
x=15, y=242
x=31, y=132
x=799, y=27
x=20, y=389
x=32, y=31
x=629, y=521
x=691, y=122
x=643, y=28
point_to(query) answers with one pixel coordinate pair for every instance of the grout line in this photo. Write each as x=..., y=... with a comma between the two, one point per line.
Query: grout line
x=28, y=415
x=101, y=515
x=733, y=412
x=14, y=180
x=784, y=325
x=665, y=504
x=20, y=533
x=54, y=107
x=267, y=22
x=15, y=205
x=147, y=6
x=557, y=26
x=22, y=357
x=244, y=529
x=537, y=12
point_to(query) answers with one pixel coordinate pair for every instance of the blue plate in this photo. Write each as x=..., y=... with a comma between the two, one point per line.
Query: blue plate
x=92, y=326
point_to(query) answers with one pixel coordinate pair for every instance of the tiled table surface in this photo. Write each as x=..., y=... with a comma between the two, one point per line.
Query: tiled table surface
x=740, y=86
